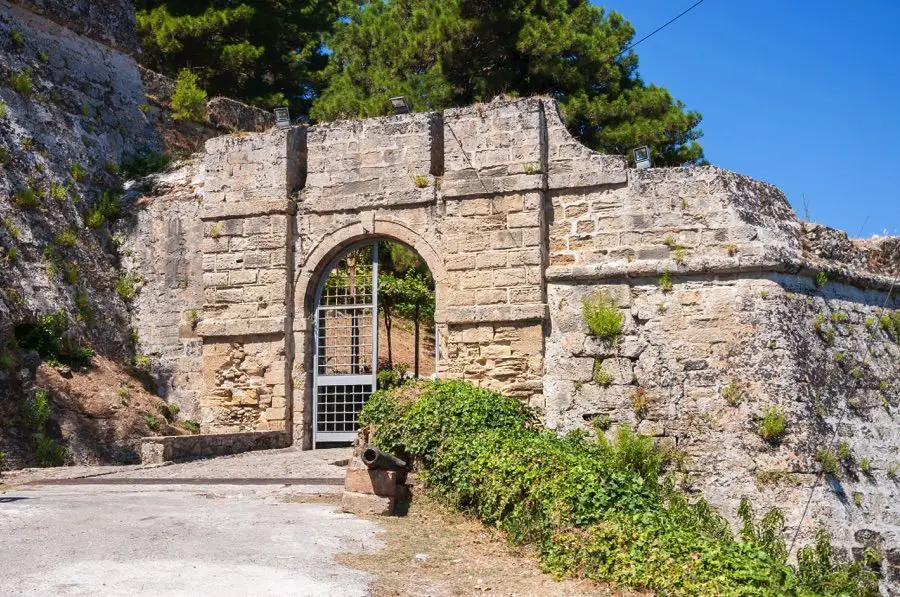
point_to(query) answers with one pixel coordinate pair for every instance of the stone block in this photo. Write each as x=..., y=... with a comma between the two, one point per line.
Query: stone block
x=363, y=480
x=367, y=504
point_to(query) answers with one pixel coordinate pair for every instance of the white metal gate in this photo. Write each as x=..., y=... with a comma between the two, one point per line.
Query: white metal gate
x=346, y=343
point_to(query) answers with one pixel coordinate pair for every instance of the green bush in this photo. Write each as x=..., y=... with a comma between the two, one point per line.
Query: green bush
x=188, y=100
x=21, y=82
x=49, y=337
x=50, y=452
x=602, y=315
x=142, y=165
x=78, y=172
x=4, y=156
x=36, y=411
x=105, y=208
x=828, y=461
x=152, y=422
x=771, y=424
x=890, y=323
x=66, y=238
x=593, y=509
x=26, y=197
x=7, y=361
x=126, y=286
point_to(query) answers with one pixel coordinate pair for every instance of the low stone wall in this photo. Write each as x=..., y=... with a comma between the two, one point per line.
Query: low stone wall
x=182, y=448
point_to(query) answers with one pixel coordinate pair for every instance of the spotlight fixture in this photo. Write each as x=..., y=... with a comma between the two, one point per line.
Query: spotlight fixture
x=282, y=118
x=641, y=157
x=400, y=105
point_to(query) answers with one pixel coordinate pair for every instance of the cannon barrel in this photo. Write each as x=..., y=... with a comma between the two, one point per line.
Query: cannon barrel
x=375, y=459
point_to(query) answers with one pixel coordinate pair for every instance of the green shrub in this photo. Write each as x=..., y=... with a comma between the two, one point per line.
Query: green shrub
x=601, y=378
x=771, y=424
x=7, y=361
x=49, y=337
x=70, y=272
x=820, y=280
x=26, y=197
x=593, y=509
x=140, y=166
x=66, y=238
x=890, y=323
x=152, y=422
x=21, y=82
x=10, y=227
x=839, y=317
x=665, y=282
x=828, y=461
x=59, y=191
x=44, y=56
x=17, y=39
x=83, y=309
x=4, y=156
x=2, y=110
x=78, y=172
x=105, y=208
x=50, y=452
x=12, y=255
x=602, y=315
x=142, y=362
x=733, y=393
x=188, y=100
x=36, y=411
x=387, y=377
x=191, y=426
x=865, y=465
x=126, y=286
x=844, y=449
x=420, y=181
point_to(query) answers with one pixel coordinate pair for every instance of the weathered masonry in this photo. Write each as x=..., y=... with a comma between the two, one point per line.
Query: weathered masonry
x=518, y=222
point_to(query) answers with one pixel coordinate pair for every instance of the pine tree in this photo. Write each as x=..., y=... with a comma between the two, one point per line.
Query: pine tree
x=265, y=52
x=441, y=53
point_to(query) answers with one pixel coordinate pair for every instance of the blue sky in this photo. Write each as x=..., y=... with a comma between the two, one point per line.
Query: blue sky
x=802, y=94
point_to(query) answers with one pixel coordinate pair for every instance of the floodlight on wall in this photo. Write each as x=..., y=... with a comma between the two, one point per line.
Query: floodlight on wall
x=641, y=157
x=400, y=105
x=282, y=118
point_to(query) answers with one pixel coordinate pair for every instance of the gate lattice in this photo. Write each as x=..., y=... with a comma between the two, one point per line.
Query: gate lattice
x=346, y=343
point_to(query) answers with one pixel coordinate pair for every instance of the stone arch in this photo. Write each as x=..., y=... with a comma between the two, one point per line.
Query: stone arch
x=311, y=270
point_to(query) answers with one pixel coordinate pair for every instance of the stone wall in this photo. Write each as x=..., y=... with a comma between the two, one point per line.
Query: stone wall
x=723, y=294
x=161, y=244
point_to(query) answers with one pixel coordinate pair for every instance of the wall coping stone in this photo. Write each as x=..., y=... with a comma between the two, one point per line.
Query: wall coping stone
x=245, y=209
x=494, y=313
x=184, y=448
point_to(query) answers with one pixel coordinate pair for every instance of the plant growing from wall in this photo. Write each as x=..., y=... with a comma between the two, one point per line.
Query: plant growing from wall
x=771, y=424
x=733, y=393
x=828, y=461
x=602, y=315
x=127, y=286
x=665, y=282
x=601, y=377
x=844, y=449
x=188, y=100
x=820, y=279
x=640, y=402
x=865, y=465
x=420, y=181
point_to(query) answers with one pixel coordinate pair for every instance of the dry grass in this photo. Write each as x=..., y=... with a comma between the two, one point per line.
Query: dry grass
x=435, y=552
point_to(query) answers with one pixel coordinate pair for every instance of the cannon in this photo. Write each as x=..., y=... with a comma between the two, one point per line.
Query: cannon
x=375, y=459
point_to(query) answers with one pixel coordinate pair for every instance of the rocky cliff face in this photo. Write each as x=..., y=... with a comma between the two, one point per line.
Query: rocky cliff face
x=77, y=117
